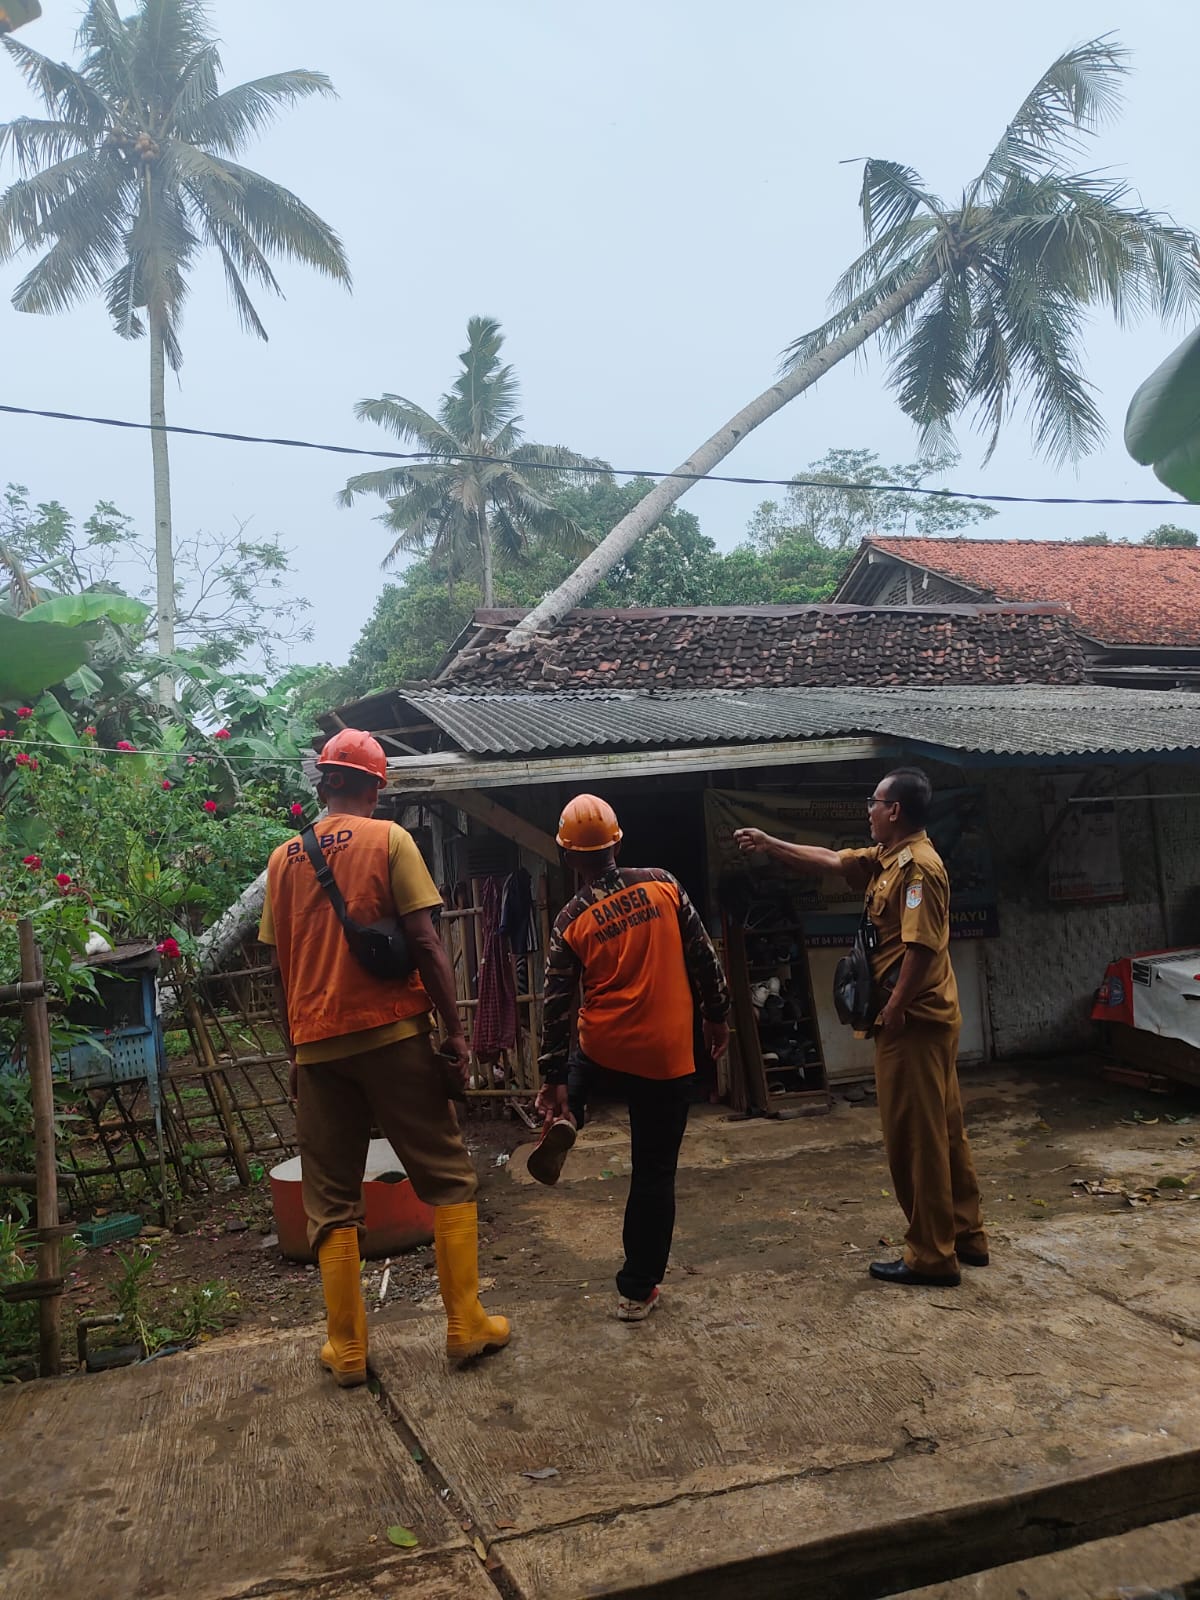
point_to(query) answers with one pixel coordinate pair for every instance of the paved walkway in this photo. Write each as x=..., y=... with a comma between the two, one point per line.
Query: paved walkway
x=782, y=1426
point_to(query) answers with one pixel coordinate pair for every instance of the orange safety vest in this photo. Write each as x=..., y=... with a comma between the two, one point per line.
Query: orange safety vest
x=636, y=1014
x=328, y=992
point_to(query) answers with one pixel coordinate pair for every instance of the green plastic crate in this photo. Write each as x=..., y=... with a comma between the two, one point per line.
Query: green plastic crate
x=125, y=1225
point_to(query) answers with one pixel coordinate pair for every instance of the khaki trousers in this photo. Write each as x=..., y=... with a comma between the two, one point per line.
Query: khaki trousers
x=399, y=1088
x=933, y=1174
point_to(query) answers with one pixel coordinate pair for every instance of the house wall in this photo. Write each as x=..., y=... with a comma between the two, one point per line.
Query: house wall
x=1049, y=959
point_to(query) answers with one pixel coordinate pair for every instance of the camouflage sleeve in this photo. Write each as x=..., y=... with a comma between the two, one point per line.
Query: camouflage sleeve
x=562, y=978
x=703, y=963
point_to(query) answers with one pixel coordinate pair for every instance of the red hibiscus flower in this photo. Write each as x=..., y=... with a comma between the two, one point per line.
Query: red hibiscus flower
x=210, y=806
x=21, y=759
x=90, y=732
x=167, y=784
x=32, y=862
x=124, y=744
x=297, y=809
x=222, y=733
x=63, y=880
x=3, y=733
x=170, y=949
x=24, y=711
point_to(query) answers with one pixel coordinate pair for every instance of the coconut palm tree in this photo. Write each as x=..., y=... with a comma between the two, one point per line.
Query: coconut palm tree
x=981, y=302
x=130, y=175
x=483, y=488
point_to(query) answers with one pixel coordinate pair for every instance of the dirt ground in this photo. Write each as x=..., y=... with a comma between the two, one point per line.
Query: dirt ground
x=1035, y=1129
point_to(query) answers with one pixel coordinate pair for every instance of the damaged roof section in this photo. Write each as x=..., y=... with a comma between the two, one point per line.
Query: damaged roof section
x=771, y=647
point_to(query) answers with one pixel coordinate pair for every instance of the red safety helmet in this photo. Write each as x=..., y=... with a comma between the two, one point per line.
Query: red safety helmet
x=351, y=747
x=588, y=823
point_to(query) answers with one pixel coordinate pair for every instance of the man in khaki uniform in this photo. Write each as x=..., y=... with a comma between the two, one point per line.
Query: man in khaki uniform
x=907, y=897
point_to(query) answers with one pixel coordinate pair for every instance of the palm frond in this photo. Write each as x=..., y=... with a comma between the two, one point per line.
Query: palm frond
x=66, y=94
x=34, y=142
x=281, y=224
x=86, y=225
x=28, y=208
x=930, y=373
x=227, y=122
x=991, y=378
x=164, y=35
x=851, y=313
x=891, y=196
x=569, y=463
x=1042, y=333
x=108, y=44
x=198, y=84
x=485, y=395
x=1073, y=98
x=410, y=423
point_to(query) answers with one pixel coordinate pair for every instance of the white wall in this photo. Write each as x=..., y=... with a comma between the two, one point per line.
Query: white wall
x=1049, y=959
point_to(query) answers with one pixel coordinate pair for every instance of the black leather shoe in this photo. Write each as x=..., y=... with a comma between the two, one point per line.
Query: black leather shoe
x=901, y=1272
x=973, y=1258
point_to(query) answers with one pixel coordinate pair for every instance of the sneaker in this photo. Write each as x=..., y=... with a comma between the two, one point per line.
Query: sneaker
x=547, y=1156
x=636, y=1310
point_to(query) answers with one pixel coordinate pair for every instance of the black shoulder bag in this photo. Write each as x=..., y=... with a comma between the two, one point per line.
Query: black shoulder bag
x=854, y=993
x=381, y=949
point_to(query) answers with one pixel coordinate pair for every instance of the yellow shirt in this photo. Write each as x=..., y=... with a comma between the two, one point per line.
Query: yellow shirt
x=907, y=895
x=412, y=890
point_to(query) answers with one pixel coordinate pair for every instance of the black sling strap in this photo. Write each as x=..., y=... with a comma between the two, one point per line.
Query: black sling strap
x=324, y=872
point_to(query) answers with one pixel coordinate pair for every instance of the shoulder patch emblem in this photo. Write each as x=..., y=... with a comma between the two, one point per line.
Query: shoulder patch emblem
x=912, y=898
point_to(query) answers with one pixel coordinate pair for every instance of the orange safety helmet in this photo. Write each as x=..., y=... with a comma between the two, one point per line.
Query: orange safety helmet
x=588, y=823
x=351, y=747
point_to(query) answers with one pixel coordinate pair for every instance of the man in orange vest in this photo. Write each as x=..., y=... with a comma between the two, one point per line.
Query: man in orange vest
x=633, y=945
x=362, y=1052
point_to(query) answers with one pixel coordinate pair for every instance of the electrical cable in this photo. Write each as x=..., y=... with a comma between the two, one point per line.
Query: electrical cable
x=616, y=472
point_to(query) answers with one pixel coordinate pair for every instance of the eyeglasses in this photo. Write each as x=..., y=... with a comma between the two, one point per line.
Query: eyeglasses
x=877, y=800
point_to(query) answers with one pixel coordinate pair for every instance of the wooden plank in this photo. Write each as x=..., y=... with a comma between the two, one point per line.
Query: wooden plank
x=505, y=822
x=1162, y=1560
x=36, y=1027
x=450, y=774
x=237, y=1467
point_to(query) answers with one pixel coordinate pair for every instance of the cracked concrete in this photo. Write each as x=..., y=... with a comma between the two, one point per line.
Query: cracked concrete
x=782, y=1425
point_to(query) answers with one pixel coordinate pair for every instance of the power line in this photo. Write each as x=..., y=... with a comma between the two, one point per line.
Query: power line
x=617, y=472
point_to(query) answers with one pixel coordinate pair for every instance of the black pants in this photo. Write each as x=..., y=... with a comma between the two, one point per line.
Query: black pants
x=658, y=1113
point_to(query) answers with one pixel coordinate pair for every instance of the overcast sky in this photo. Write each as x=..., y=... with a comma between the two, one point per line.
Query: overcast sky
x=649, y=195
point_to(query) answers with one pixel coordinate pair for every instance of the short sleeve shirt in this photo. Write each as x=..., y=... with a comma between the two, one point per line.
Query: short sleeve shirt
x=412, y=890
x=907, y=896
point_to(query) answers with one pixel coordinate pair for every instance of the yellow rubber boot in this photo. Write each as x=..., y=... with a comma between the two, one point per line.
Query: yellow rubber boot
x=469, y=1329
x=345, y=1350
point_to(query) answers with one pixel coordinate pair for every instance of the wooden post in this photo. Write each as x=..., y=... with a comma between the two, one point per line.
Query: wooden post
x=41, y=1095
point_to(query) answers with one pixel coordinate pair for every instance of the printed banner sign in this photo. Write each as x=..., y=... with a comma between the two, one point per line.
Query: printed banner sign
x=1085, y=854
x=828, y=910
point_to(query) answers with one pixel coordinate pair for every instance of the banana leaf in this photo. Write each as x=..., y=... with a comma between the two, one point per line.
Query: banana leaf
x=1162, y=425
x=34, y=655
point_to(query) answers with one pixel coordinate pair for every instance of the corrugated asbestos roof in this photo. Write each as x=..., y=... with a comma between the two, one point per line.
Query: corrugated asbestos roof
x=1017, y=719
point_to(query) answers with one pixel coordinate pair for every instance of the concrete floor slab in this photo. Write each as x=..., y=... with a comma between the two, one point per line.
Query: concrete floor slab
x=203, y=1476
x=1144, y=1257
x=762, y=1407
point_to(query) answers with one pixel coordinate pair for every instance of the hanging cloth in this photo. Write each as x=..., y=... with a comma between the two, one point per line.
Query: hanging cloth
x=517, y=920
x=496, y=1014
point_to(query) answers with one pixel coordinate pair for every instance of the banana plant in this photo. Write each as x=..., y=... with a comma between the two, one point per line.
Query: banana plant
x=1162, y=426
